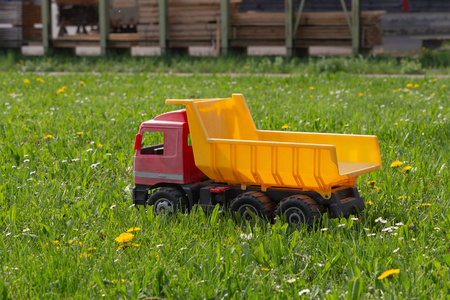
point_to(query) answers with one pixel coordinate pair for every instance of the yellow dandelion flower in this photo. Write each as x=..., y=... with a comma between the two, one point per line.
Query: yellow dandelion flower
x=371, y=182
x=55, y=242
x=285, y=126
x=60, y=91
x=396, y=164
x=444, y=86
x=388, y=273
x=126, y=245
x=48, y=136
x=123, y=246
x=395, y=91
x=70, y=242
x=311, y=96
x=79, y=132
x=426, y=204
x=92, y=248
x=124, y=237
x=26, y=80
x=39, y=79
x=401, y=197
x=64, y=88
x=312, y=88
x=406, y=168
x=375, y=188
x=85, y=255
x=82, y=82
x=80, y=244
x=416, y=86
x=100, y=145
x=370, y=203
x=134, y=229
x=360, y=94
x=409, y=85
x=265, y=269
x=433, y=80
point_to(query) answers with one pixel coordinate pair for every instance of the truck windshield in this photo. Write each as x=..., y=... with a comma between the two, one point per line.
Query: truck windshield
x=152, y=143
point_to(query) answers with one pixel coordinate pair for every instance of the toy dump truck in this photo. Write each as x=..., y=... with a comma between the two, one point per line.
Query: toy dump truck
x=211, y=153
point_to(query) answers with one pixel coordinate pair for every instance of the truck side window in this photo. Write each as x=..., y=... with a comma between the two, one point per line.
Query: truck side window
x=152, y=143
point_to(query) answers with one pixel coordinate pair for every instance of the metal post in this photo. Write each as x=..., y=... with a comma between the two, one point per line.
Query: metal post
x=103, y=18
x=46, y=26
x=356, y=24
x=224, y=26
x=163, y=12
x=289, y=26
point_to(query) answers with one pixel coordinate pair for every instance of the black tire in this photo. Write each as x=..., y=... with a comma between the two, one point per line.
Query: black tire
x=167, y=201
x=299, y=210
x=251, y=204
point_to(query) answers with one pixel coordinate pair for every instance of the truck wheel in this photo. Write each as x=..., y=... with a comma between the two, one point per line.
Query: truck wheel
x=299, y=210
x=251, y=204
x=167, y=201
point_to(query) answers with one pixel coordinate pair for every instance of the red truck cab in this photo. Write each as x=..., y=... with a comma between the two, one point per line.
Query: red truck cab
x=171, y=161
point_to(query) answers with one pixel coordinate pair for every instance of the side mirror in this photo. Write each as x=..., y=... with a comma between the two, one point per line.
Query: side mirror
x=137, y=142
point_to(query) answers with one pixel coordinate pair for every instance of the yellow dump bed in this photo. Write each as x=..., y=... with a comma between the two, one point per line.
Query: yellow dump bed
x=228, y=148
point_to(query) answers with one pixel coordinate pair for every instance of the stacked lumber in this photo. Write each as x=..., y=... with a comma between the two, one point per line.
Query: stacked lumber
x=193, y=20
x=189, y=20
x=77, y=2
x=10, y=37
x=31, y=14
x=11, y=15
x=315, y=28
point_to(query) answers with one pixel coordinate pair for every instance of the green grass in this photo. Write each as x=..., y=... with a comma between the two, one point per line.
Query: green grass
x=427, y=63
x=75, y=186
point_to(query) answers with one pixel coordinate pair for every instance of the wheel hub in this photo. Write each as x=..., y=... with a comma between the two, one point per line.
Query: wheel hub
x=163, y=207
x=248, y=212
x=295, y=216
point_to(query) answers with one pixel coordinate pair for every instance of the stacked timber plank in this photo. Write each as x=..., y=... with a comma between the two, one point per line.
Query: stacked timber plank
x=22, y=17
x=315, y=28
x=189, y=20
x=148, y=28
x=193, y=22
x=31, y=14
x=76, y=2
x=11, y=15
